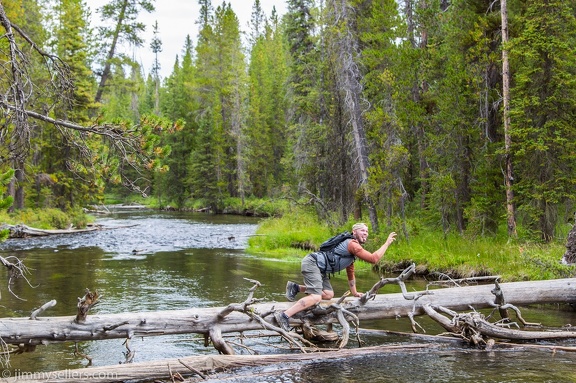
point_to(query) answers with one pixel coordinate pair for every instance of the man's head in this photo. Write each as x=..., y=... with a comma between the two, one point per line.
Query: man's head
x=360, y=232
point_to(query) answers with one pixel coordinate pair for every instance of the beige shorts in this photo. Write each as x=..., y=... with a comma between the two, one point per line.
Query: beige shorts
x=314, y=279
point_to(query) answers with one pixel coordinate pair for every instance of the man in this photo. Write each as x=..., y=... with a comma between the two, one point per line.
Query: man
x=316, y=268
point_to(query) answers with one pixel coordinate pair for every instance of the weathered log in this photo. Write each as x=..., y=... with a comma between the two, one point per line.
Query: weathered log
x=475, y=322
x=45, y=330
x=23, y=231
x=490, y=330
x=195, y=365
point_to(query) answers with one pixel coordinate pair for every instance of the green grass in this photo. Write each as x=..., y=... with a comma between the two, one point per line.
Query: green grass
x=287, y=236
x=46, y=218
x=460, y=257
x=433, y=252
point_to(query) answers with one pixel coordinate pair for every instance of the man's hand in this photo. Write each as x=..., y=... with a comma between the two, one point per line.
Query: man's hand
x=391, y=238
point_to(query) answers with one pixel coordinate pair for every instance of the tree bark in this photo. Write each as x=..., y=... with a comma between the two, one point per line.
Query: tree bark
x=570, y=254
x=111, y=53
x=510, y=210
x=46, y=330
x=349, y=81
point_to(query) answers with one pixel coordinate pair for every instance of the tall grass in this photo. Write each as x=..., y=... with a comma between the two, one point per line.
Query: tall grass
x=434, y=253
x=462, y=257
x=285, y=237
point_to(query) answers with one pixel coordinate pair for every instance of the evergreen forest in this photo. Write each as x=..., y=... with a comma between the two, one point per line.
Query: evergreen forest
x=457, y=115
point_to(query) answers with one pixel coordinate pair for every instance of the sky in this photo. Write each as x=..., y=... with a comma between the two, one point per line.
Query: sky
x=177, y=19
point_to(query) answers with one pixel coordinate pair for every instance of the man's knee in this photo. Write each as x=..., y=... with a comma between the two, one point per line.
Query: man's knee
x=327, y=294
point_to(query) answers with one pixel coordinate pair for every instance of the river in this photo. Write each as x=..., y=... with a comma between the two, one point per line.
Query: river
x=148, y=261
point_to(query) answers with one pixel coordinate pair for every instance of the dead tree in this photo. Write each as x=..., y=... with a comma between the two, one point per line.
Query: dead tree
x=570, y=254
x=345, y=47
x=253, y=315
x=204, y=367
x=24, y=231
x=474, y=327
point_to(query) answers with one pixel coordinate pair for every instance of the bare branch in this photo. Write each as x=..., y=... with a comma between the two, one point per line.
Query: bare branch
x=42, y=308
x=16, y=269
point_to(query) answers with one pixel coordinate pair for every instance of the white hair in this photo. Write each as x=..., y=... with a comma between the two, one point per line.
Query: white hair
x=359, y=225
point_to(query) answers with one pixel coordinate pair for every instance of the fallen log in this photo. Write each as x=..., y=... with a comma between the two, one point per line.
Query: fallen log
x=45, y=330
x=23, y=231
x=205, y=366
x=488, y=329
x=476, y=323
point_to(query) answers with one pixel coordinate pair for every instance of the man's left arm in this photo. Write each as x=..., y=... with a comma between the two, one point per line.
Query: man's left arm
x=352, y=281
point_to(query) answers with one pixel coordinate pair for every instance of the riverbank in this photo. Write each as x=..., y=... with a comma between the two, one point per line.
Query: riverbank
x=436, y=255
x=47, y=219
x=289, y=234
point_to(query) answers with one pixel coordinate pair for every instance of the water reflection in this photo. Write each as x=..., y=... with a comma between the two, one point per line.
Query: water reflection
x=416, y=367
x=152, y=261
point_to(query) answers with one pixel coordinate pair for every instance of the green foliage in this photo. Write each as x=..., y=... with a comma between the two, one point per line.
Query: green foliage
x=5, y=202
x=435, y=254
x=204, y=167
x=543, y=136
x=275, y=124
x=268, y=71
x=461, y=257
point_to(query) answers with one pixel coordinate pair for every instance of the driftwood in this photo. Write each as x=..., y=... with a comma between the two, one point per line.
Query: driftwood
x=474, y=328
x=216, y=367
x=89, y=300
x=249, y=315
x=45, y=330
x=23, y=231
x=201, y=367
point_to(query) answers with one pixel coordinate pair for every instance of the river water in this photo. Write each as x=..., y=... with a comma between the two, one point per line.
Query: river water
x=148, y=261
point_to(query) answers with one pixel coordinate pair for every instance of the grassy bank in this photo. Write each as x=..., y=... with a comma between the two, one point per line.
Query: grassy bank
x=292, y=236
x=46, y=218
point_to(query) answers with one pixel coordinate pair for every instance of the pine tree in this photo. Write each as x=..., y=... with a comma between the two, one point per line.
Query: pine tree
x=18, y=72
x=123, y=16
x=345, y=58
x=543, y=61
x=64, y=177
x=221, y=96
x=379, y=27
x=156, y=46
x=177, y=105
x=265, y=130
x=304, y=103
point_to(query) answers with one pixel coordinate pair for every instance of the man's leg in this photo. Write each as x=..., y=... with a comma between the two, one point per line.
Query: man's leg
x=316, y=286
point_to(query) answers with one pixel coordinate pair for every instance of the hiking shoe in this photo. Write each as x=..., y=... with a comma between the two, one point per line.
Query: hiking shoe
x=282, y=320
x=291, y=290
